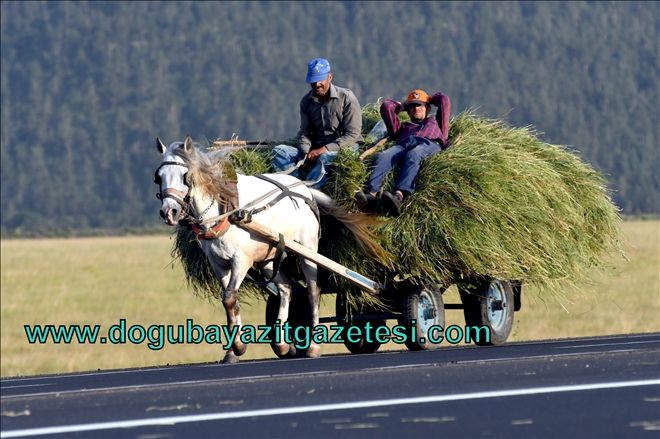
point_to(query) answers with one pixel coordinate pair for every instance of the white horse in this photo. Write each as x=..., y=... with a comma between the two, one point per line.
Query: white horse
x=196, y=184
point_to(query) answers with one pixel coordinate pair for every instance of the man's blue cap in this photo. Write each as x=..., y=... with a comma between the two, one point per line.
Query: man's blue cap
x=317, y=70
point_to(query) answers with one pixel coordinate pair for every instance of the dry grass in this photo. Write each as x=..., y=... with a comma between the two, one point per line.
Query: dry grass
x=499, y=203
x=102, y=280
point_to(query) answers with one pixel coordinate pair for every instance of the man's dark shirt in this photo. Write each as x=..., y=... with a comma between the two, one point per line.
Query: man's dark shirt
x=333, y=123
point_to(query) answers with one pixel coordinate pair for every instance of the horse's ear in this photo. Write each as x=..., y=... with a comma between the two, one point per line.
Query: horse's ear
x=188, y=144
x=160, y=146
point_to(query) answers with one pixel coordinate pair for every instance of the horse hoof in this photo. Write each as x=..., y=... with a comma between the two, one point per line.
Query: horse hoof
x=239, y=349
x=281, y=350
x=230, y=358
x=314, y=351
x=293, y=351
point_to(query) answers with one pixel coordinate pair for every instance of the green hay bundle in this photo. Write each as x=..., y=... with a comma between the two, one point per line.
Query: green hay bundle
x=198, y=271
x=195, y=265
x=499, y=203
x=370, y=117
x=251, y=161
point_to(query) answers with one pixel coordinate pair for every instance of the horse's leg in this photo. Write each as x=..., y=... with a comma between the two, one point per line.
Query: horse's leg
x=223, y=272
x=314, y=295
x=284, y=286
x=239, y=268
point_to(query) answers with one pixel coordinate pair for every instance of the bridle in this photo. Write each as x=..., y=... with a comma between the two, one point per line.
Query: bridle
x=187, y=210
x=181, y=198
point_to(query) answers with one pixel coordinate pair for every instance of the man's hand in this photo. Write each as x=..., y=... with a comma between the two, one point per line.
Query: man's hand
x=301, y=162
x=315, y=153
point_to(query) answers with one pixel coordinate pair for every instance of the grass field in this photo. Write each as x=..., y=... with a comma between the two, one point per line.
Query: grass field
x=102, y=280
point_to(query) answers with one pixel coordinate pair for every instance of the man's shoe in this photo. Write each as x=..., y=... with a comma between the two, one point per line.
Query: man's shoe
x=365, y=202
x=392, y=203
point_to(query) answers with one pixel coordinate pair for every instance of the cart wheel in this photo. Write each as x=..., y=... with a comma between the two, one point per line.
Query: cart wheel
x=344, y=319
x=491, y=305
x=298, y=311
x=421, y=310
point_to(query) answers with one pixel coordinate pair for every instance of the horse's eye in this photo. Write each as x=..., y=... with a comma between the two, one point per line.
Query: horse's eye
x=185, y=179
x=157, y=178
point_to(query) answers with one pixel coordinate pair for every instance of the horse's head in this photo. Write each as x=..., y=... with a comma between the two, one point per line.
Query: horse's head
x=193, y=182
x=171, y=177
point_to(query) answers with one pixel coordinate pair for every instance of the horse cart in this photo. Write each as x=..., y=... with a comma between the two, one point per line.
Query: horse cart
x=239, y=221
x=486, y=303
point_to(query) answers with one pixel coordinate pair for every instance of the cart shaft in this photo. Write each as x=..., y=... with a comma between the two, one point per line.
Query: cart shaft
x=357, y=279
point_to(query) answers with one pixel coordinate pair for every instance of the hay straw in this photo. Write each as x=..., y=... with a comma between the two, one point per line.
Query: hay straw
x=499, y=203
x=198, y=271
x=250, y=161
x=196, y=267
x=370, y=117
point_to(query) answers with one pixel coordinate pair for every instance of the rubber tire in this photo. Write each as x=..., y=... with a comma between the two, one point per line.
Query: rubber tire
x=477, y=310
x=410, y=307
x=344, y=319
x=298, y=311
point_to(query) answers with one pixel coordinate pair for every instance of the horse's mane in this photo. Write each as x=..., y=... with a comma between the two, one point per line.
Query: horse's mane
x=210, y=172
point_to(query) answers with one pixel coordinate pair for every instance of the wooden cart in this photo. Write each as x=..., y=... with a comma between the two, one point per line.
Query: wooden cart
x=486, y=303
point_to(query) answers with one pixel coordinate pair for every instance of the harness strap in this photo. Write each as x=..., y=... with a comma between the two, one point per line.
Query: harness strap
x=277, y=261
x=257, y=201
x=218, y=230
x=286, y=192
x=282, y=186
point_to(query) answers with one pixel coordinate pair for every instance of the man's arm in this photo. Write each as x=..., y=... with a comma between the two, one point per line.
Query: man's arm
x=304, y=142
x=389, y=111
x=443, y=114
x=352, y=124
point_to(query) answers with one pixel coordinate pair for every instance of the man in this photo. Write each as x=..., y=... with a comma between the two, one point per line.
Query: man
x=330, y=118
x=416, y=140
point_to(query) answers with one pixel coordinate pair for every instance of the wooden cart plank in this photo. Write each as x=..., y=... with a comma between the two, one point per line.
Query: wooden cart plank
x=357, y=279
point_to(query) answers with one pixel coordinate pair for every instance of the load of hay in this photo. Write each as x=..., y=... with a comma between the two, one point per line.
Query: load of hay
x=499, y=203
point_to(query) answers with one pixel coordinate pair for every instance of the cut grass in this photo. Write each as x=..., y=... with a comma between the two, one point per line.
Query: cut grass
x=103, y=280
x=498, y=203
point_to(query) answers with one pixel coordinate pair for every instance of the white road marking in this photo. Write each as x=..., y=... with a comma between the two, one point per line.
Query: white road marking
x=26, y=385
x=172, y=420
x=492, y=360
x=150, y=386
x=141, y=370
x=279, y=375
x=607, y=344
x=652, y=337
x=130, y=387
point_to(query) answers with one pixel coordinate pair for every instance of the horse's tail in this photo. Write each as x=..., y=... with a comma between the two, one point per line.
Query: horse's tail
x=358, y=224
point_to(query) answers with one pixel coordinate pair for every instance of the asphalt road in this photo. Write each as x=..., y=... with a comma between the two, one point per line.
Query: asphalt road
x=589, y=387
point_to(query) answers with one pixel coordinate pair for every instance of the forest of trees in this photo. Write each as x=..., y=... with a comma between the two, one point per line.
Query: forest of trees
x=87, y=86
